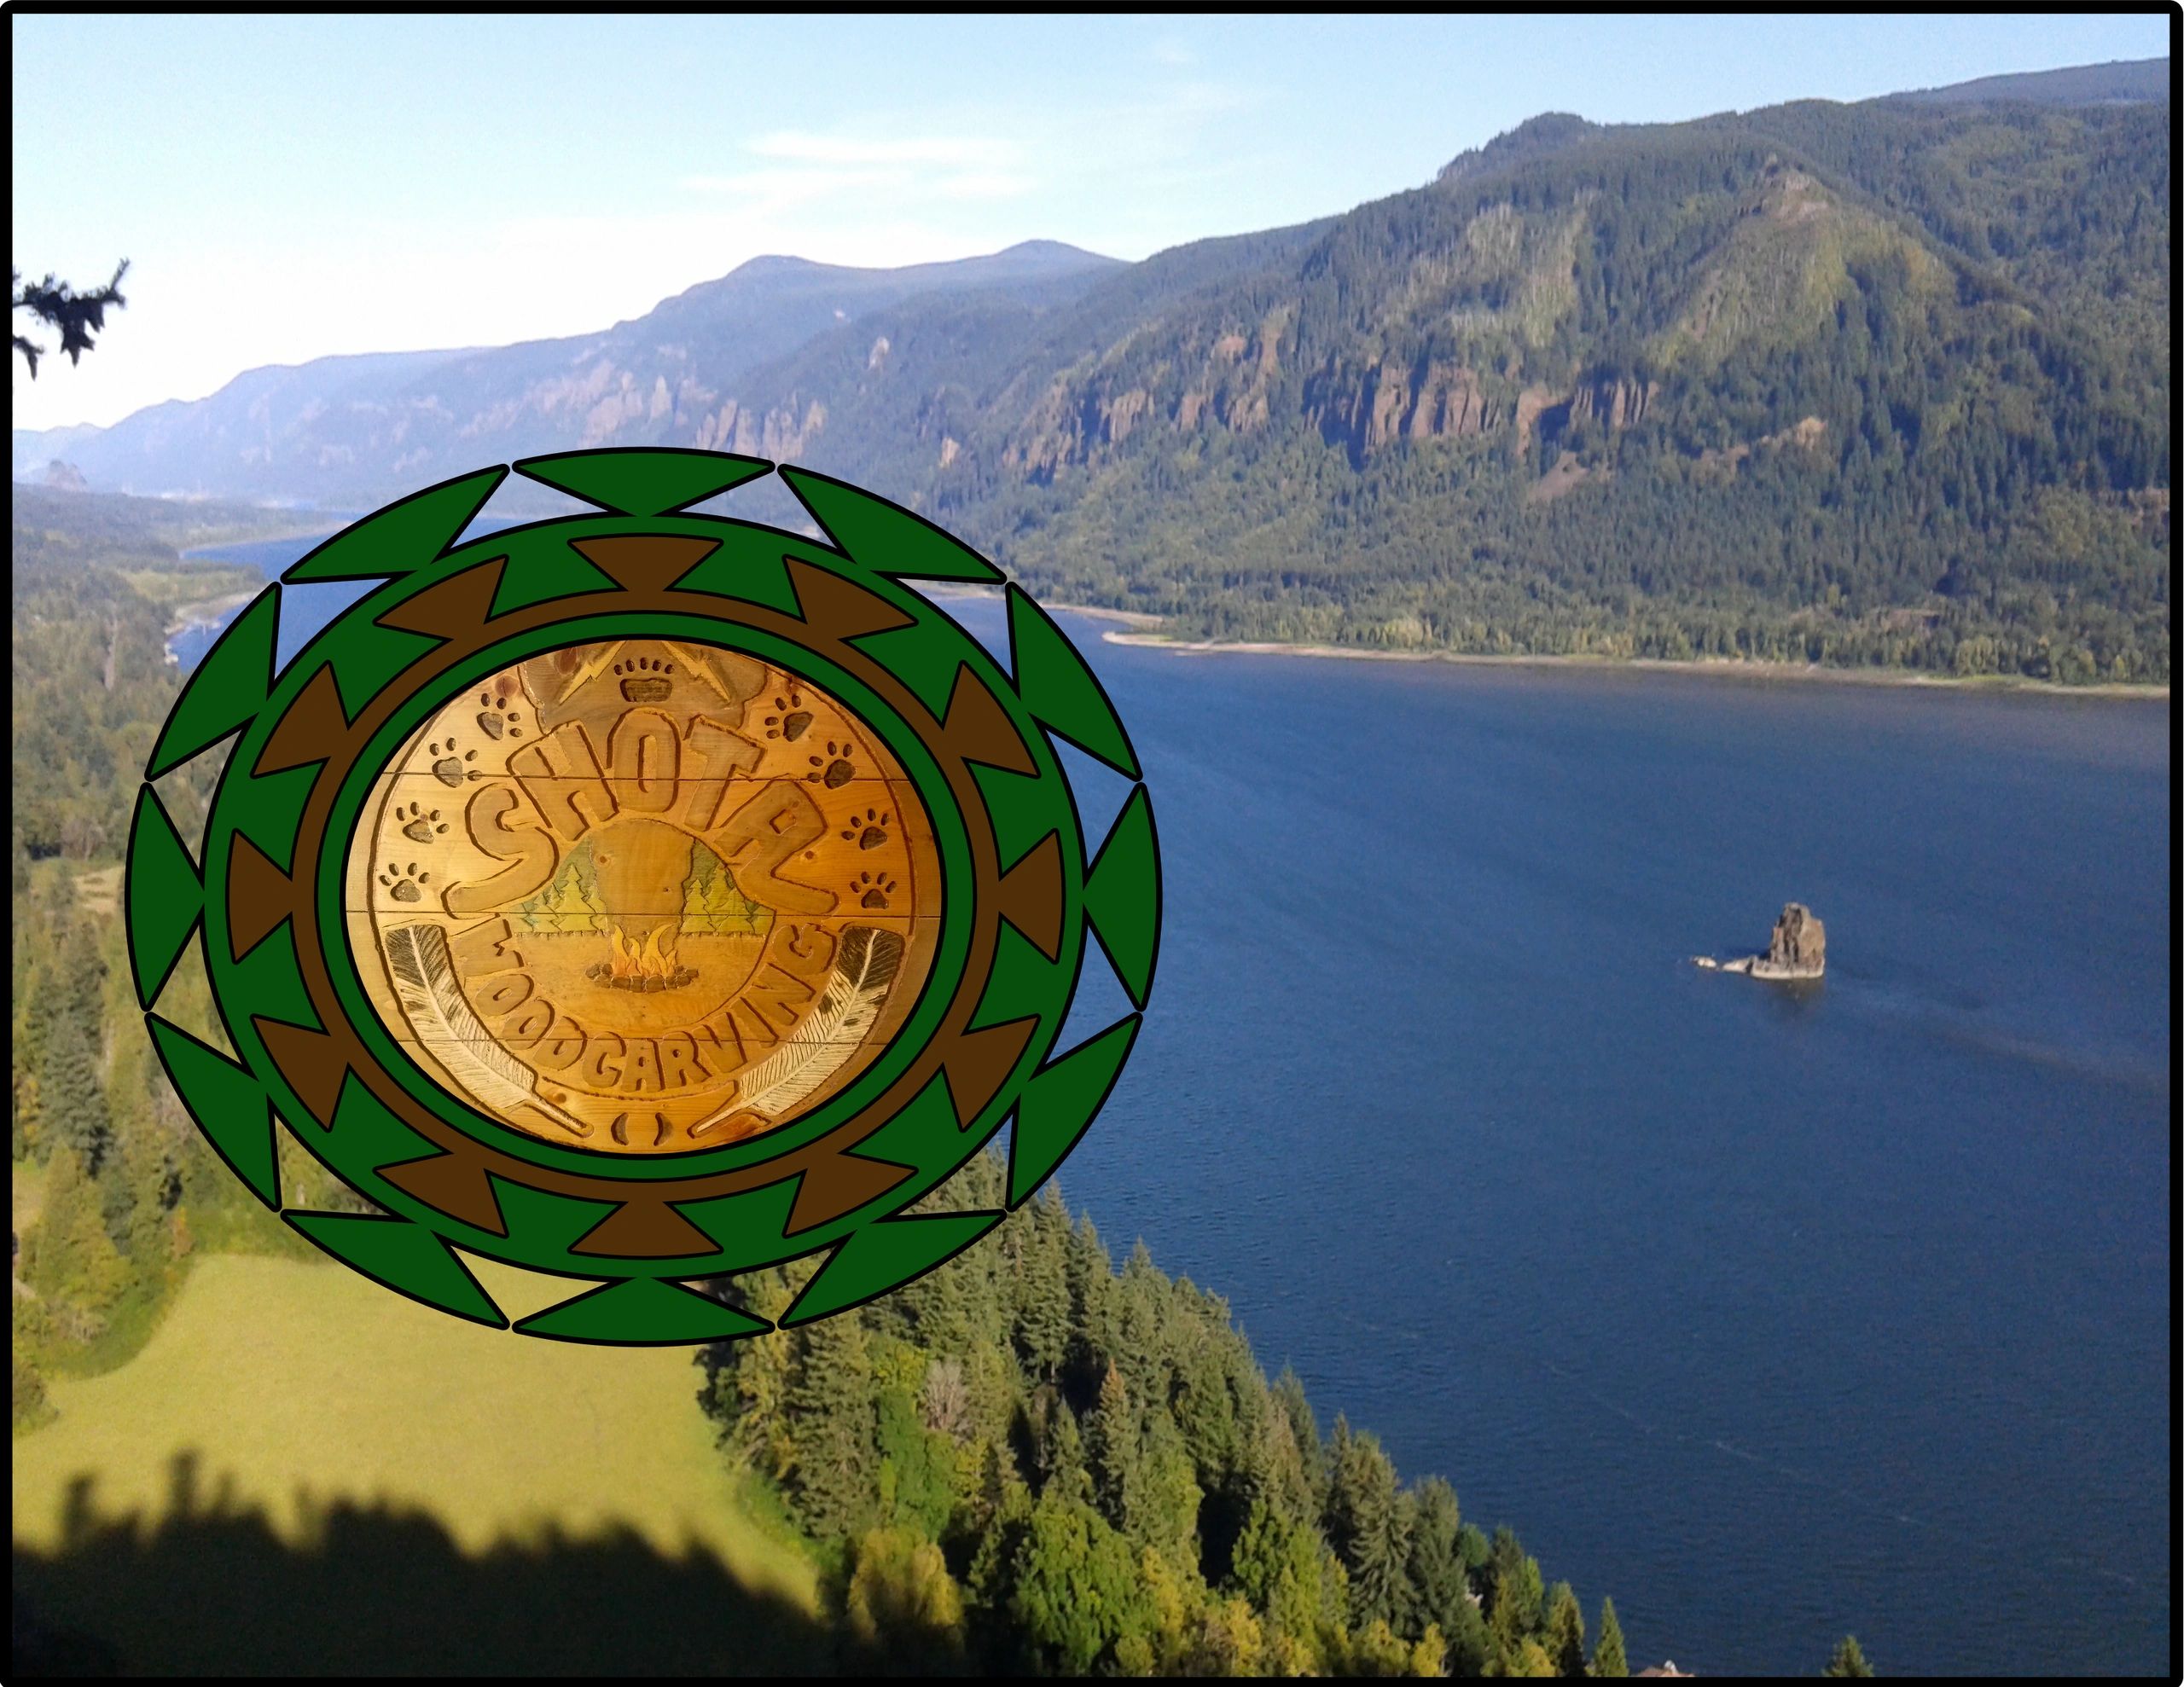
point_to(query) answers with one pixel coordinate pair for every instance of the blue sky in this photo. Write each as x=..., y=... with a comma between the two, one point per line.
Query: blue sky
x=290, y=187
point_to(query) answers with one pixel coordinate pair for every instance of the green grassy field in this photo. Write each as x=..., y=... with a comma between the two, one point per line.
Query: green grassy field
x=27, y=1190
x=326, y=1434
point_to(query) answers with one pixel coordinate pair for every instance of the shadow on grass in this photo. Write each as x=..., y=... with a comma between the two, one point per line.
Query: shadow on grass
x=210, y=1589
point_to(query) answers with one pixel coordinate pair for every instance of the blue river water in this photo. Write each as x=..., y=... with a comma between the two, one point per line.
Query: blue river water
x=1776, y=1313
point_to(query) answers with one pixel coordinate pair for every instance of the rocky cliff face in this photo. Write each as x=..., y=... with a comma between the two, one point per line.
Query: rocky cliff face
x=1798, y=946
x=1799, y=949
x=1800, y=941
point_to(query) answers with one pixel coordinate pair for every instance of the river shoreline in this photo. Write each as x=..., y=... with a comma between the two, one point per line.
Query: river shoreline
x=1718, y=668
x=1144, y=633
x=209, y=612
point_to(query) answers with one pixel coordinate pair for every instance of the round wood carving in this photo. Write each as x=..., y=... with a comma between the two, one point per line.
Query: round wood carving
x=644, y=896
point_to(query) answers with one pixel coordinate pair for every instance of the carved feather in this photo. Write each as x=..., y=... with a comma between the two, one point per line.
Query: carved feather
x=432, y=999
x=863, y=969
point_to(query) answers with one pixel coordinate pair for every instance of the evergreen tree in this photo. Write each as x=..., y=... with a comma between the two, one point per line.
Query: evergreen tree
x=1849, y=1661
x=1514, y=1595
x=1075, y=1590
x=1608, y=1657
x=1365, y=1525
x=750, y=1389
x=1304, y=1431
x=72, y=1100
x=1168, y=1516
x=1437, y=1592
x=1062, y=1470
x=1566, y=1631
x=68, y=1258
x=1091, y=1273
x=1112, y=1449
x=1042, y=1301
x=835, y=1474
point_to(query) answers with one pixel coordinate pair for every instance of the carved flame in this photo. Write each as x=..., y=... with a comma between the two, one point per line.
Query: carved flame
x=630, y=961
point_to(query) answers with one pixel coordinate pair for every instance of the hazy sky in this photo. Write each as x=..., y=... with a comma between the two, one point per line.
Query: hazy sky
x=288, y=188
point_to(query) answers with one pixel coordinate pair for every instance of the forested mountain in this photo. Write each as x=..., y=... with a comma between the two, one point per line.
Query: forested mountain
x=1878, y=384
x=2117, y=82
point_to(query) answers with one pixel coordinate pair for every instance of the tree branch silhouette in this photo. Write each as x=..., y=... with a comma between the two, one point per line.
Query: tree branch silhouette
x=78, y=316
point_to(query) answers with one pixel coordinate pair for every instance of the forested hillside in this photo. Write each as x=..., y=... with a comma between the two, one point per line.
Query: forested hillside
x=1875, y=384
x=114, y=1188
x=1884, y=384
x=1789, y=386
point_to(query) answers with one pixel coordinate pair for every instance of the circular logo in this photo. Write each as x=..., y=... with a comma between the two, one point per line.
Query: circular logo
x=643, y=897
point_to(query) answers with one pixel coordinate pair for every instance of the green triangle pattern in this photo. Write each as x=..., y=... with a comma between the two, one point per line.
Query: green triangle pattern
x=884, y=1256
x=1058, y=1104
x=229, y=689
x=410, y=534
x=885, y=538
x=1122, y=896
x=732, y=572
x=1058, y=689
x=551, y=574
x=642, y=1312
x=230, y=1105
x=650, y=480
x=406, y=1257
x=165, y=894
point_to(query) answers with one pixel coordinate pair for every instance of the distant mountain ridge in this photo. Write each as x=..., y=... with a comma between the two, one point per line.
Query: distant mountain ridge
x=1883, y=383
x=351, y=430
x=2120, y=81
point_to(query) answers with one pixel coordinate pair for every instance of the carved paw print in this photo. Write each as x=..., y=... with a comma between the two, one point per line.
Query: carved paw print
x=876, y=888
x=645, y=680
x=402, y=883
x=832, y=773
x=868, y=833
x=789, y=721
x=448, y=768
x=495, y=718
x=420, y=825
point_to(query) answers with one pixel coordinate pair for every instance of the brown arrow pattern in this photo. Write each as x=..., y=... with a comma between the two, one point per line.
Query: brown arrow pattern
x=259, y=897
